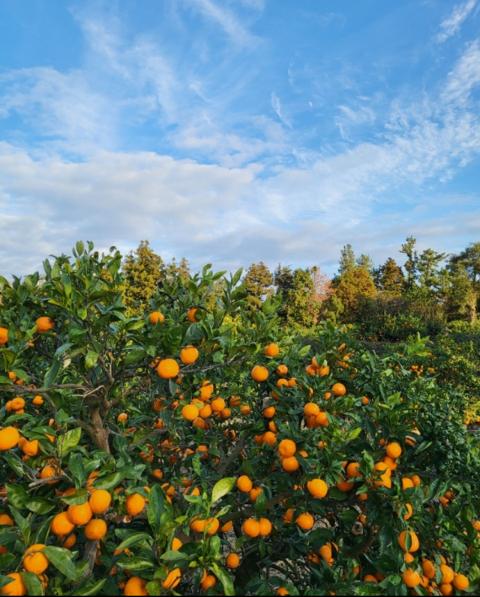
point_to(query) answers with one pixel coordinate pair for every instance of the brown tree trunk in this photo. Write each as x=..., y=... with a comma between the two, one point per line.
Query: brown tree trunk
x=100, y=434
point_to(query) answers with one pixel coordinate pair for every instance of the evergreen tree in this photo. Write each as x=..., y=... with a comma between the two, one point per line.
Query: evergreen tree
x=347, y=259
x=461, y=299
x=390, y=278
x=410, y=265
x=258, y=284
x=283, y=280
x=366, y=262
x=428, y=268
x=142, y=274
x=353, y=287
x=470, y=259
x=302, y=308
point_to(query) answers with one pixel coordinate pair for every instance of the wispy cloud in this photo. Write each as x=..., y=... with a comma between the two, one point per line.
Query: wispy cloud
x=451, y=24
x=278, y=109
x=227, y=21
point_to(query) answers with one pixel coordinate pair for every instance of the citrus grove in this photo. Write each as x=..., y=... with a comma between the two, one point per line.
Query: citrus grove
x=207, y=449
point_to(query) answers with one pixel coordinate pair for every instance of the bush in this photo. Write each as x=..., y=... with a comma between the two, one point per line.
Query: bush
x=319, y=478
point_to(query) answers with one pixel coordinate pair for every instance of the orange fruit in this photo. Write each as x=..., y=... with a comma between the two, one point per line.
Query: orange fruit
x=135, y=586
x=70, y=541
x=192, y=314
x=290, y=464
x=408, y=558
x=232, y=561
x=394, y=450
x=96, y=529
x=38, y=400
x=227, y=527
x=272, y=350
x=9, y=438
x=311, y=409
x=460, y=582
x=190, y=412
x=205, y=411
x=411, y=538
x=408, y=511
x=411, y=578
x=305, y=521
x=79, y=514
x=44, y=324
x=189, y=355
x=244, y=484
x=176, y=544
x=269, y=412
x=30, y=448
x=156, y=317
x=428, y=568
x=135, y=504
x=446, y=589
x=218, y=405
x=447, y=574
x=122, y=417
x=251, y=527
x=265, y=527
x=61, y=525
x=282, y=370
x=407, y=483
x=259, y=373
x=206, y=390
x=34, y=560
x=254, y=493
x=353, y=470
x=338, y=389
x=6, y=520
x=15, y=587
x=317, y=488
x=167, y=368
x=3, y=336
x=286, y=448
x=212, y=525
x=208, y=581
x=282, y=591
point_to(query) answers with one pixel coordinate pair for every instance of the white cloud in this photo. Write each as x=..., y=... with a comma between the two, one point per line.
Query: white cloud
x=278, y=109
x=226, y=20
x=451, y=24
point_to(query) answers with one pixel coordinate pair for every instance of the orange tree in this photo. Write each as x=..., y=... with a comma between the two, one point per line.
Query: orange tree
x=197, y=449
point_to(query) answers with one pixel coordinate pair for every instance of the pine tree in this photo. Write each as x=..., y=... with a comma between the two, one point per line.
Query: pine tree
x=347, y=259
x=428, y=268
x=302, y=308
x=390, y=277
x=410, y=265
x=366, y=262
x=353, y=287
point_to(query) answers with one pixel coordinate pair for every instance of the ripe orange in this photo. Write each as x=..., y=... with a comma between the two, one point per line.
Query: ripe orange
x=339, y=389
x=265, y=527
x=286, y=448
x=208, y=581
x=38, y=400
x=96, y=529
x=411, y=578
x=408, y=511
x=232, y=561
x=3, y=336
x=269, y=438
x=290, y=464
x=176, y=544
x=44, y=324
x=30, y=448
x=317, y=488
x=135, y=504
x=135, y=586
x=122, y=418
x=79, y=514
x=189, y=355
x=15, y=587
x=218, y=405
x=447, y=574
x=259, y=373
x=269, y=412
x=70, y=541
x=100, y=501
x=61, y=525
x=9, y=438
x=394, y=450
x=205, y=411
x=244, y=484
x=6, y=520
x=190, y=412
x=311, y=409
x=460, y=582
x=34, y=560
x=305, y=521
x=206, y=390
x=251, y=527
x=192, y=314
x=282, y=370
x=254, y=493
x=353, y=470
x=428, y=568
x=156, y=317
x=168, y=368
x=411, y=538
x=272, y=350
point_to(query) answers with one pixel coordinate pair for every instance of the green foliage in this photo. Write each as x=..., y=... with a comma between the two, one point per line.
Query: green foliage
x=143, y=272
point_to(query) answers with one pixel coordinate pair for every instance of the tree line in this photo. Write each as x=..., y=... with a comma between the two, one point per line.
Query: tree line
x=426, y=292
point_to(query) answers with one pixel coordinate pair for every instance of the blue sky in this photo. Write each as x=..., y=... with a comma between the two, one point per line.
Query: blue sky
x=230, y=131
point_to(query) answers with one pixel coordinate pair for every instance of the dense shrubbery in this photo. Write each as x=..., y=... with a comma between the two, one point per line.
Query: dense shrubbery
x=219, y=452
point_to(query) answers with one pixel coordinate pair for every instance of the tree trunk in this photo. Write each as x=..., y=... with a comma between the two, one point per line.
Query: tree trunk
x=100, y=434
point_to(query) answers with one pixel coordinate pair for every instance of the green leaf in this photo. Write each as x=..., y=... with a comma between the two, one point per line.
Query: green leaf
x=68, y=441
x=77, y=468
x=17, y=495
x=52, y=372
x=173, y=556
x=304, y=350
x=222, y=487
x=224, y=578
x=91, y=359
x=40, y=505
x=156, y=507
x=90, y=588
x=62, y=560
x=135, y=564
x=134, y=540
x=32, y=583
x=109, y=482
x=79, y=497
